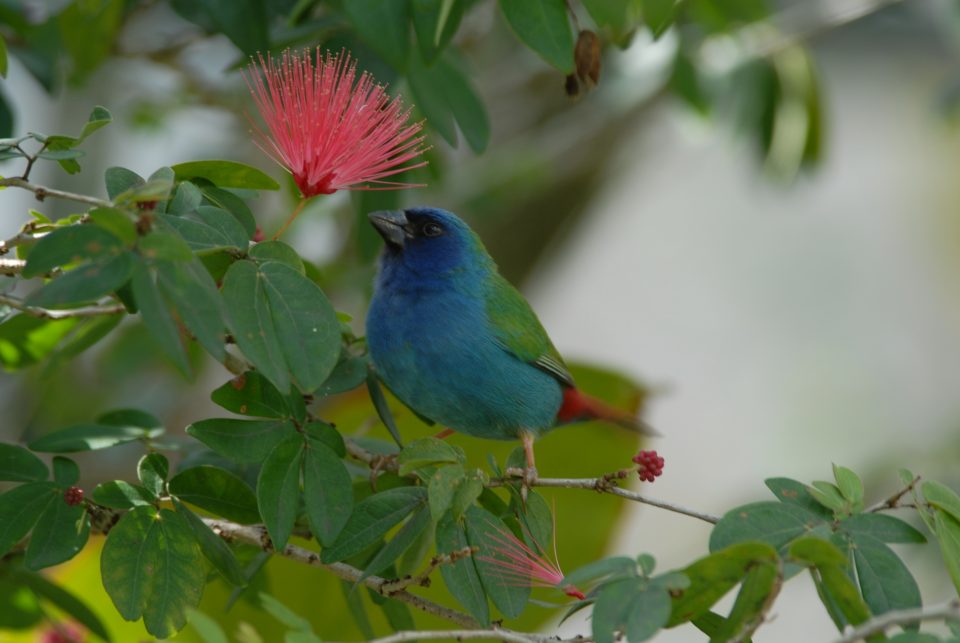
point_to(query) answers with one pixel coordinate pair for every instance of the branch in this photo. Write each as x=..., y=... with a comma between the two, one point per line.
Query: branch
x=893, y=501
x=45, y=313
x=11, y=267
x=948, y=611
x=608, y=484
x=43, y=192
x=495, y=633
x=423, y=578
x=257, y=536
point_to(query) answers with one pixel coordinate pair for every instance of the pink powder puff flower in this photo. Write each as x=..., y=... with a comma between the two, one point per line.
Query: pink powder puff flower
x=520, y=564
x=329, y=129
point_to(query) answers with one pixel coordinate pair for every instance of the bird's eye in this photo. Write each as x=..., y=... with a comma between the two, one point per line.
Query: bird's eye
x=431, y=229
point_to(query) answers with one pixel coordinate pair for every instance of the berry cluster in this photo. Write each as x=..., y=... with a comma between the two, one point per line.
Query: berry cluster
x=73, y=496
x=649, y=465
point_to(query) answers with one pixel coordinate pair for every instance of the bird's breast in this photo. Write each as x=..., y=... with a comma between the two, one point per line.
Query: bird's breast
x=435, y=349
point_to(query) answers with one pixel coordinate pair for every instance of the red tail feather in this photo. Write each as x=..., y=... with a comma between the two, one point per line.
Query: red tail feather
x=580, y=407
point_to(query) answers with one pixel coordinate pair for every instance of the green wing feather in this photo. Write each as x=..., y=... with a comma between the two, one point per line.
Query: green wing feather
x=518, y=330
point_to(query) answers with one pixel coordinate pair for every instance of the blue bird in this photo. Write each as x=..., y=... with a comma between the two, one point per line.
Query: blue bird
x=454, y=341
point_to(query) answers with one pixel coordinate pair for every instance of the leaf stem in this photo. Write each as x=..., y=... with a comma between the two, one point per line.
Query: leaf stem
x=44, y=313
x=495, y=634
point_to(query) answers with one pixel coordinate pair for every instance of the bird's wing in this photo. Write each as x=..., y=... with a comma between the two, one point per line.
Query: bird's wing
x=517, y=329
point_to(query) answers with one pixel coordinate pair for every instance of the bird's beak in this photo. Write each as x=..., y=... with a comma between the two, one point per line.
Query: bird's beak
x=391, y=224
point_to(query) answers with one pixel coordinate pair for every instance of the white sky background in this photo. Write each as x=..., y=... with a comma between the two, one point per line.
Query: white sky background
x=793, y=326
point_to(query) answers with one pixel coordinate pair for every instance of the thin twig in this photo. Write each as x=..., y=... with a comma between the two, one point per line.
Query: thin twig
x=26, y=235
x=893, y=501
x=948, y=611
x=45, y=313
x=257, y=536
x=43, y=192
x=11, y=267
x=608, y=484
x=423, y=578
x=495, y=634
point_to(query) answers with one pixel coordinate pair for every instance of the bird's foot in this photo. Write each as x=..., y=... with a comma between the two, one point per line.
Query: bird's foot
x=381, y=463
x=529, y=479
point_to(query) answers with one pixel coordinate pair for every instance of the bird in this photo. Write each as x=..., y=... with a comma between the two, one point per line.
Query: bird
x=454, y=341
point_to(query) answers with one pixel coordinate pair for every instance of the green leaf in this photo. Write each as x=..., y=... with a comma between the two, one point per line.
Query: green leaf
x=442, y=486
x=836, y=589
x=63, y=600
x=348, y=374
x=796, y=493
x=613, y=567
x=444, y=95
x=543, y=26
x=19, y=465
x=885, y=582
x=99, y=117
x=241, y=440
x=157, y=317
x=713, y=576
x=283, y=613
x=403, y=540
x=371, y=519
x=71, y=244
x=187, y=198
x=115, y=221
x=427, y=451
x=276, y=251
x=775, y=523
x=3, y=58
x=20, y=508
x=886, y=529
x=166, y=246
x=828, y=495
x=59, y=534
x=659, y=15
x=121, y=495
x=435, y=23
x=384, y=25
x=283, y=323
x=327, y=492
x=326, y=435
x=759, y=587
x=152, y=471
x=88, y=31
x=486, y=531
x=461, y=577
x=942, y=497
x=225, y=174
x=218, y=491
x=850, y=486
x=207, y=229
x=648, y=613
x=612, y=609
x=66, y=473
x=22, y=610
x=89, y=437
x=87, y=282
x=381, y=406
x=252, y=394
x=194, y=295
x=244, y=22
x=278, y=489
x=120, y=180
x=147, y=424
x=213, y=547
x=206, y=628
x=152, y=567
x=233, y=204
x=947, y=530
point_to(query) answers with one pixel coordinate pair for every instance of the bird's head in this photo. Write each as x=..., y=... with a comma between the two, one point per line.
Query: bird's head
x=429, y=241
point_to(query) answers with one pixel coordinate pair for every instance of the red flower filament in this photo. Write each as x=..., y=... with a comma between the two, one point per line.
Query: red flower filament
x=521, y=565
x=331, y=130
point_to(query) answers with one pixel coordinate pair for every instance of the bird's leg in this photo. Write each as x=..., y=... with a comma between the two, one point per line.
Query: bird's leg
x=446, y=433
x=530, y=472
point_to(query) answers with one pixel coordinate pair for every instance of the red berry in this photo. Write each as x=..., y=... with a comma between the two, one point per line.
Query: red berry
x=650, y=465
x=73, y=496
x=258, y=235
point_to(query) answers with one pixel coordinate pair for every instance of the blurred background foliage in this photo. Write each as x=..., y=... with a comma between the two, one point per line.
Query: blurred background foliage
x=526, y=139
